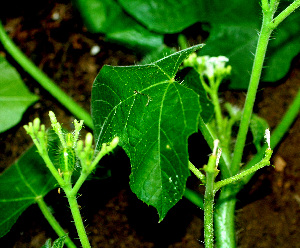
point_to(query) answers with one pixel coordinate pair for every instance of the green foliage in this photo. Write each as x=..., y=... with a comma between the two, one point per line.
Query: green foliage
x=109, y=18
x=232, y=30
x=58, y=243
x=15, y=98
x=153, y=116
x=258, y=126
x=165, y=16
x=22, y=184
x=283, y=48
x=192, y=81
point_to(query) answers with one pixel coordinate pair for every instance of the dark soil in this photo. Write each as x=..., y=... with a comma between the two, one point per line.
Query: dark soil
x=268, y=208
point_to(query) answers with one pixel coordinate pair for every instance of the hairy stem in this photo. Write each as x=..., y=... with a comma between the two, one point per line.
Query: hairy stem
x=251, y=93
x=197, y=172
x=77, y=217
x=264, y=162
x=277, y=134
x=284, y=14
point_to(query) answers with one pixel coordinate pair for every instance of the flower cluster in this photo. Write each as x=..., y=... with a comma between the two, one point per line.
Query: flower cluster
x=208, y=66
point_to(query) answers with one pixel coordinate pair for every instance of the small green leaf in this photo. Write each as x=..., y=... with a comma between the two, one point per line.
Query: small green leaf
x=258, y=127
x=21, y=184
x=107, y=16
x=15, y=98
x=58, y=243
x=153, y=116
x=47, y=244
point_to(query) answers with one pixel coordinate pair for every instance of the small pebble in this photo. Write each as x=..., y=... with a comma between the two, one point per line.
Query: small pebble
x=95, y=50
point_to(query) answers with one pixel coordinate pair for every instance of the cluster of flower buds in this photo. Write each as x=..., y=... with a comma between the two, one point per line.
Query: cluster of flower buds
x=208, y=66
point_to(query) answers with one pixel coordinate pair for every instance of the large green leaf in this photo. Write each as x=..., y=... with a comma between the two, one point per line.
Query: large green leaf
x=21, y=184
x=106, y=16
x=173, y=16
x=153, y=116
x=233, y=28
x=165, y=16
x=15, y=98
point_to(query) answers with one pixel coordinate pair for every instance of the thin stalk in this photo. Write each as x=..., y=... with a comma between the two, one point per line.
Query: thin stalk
x=53, y=222
x=43, y=79
x=77, y=217
x=218, y=113
x=251, y=93
x=83, y=176
x=277, y=135
x=284, y=14
x=194, y=197
x=197, y=172
x=264, y=162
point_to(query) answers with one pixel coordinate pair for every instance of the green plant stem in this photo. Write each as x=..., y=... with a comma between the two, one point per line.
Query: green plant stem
x=197, y=172
x=218, y=112
x=277, y=134
x=284, y=14
x=209, y=202
x=77, y=216
x=53, y=222
x=224, y=163
x=83, y=176
x=50, y=165
x=224, y=218
x=43, y=79
x=263, y=41
x=264, y=162
x=225, y=206
x=194, y=198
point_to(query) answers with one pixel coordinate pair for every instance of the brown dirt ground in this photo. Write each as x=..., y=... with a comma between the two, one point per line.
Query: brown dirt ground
x=268, y=208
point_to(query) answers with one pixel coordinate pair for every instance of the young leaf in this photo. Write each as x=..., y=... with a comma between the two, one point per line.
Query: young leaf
x=15, y=98
x=58, y=243
x=47, y=244
x=20, y=185
x=153, y=116
x=258, y=128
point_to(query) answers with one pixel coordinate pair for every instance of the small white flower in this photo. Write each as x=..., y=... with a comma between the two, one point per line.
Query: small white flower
x=268, y=137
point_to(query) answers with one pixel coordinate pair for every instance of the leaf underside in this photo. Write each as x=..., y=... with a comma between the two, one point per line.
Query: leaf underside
x=153, y=115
